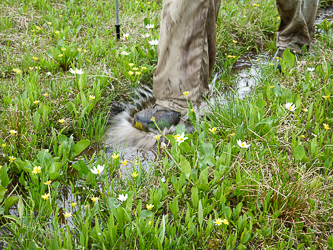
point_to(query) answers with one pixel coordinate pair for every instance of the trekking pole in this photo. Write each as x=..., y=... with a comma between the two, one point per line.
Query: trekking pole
x=117, y=20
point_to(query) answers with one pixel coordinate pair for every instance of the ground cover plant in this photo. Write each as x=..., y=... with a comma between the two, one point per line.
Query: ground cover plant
x=255, y=174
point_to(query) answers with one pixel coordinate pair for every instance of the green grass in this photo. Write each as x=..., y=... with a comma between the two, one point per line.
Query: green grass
x=276, y=194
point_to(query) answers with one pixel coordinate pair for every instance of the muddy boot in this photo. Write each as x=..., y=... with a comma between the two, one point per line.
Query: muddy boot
x=164, y=118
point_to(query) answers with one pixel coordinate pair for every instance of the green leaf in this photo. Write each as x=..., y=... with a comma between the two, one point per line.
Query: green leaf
x=299, y=152
x=80, y=146
x=200, y=213
x=146, y=213
x=54, y=171
x=113, y=203
x=206, y=151
x=9, y=202
x=2, y=193
x=185, y=166
x=162, y=233
x=203, y=178
x=195, y=196
x=20, y=207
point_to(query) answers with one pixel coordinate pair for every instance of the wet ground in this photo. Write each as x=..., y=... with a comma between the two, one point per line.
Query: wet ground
x=244, y=75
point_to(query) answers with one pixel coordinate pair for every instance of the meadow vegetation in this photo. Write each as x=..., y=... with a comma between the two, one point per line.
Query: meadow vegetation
x=255, y=174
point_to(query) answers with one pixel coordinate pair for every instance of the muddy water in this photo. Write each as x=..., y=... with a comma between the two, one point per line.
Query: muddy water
x=243, y=78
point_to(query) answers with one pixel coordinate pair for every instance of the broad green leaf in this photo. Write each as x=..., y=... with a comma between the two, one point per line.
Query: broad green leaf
x=206, y=151
x=185, y=166
x=9, y=202
x=113, y=203
x=2, y=193
x=195, y=196
x=80, y=146
x=146, y=213
x=203, y=178
x=299, y=152
x=20, y=207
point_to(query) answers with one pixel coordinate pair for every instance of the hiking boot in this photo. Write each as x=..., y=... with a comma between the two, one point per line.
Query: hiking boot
x=164, y=118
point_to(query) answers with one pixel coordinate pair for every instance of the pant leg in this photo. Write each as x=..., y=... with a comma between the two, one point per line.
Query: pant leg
x=297, y=25
x=186, y=51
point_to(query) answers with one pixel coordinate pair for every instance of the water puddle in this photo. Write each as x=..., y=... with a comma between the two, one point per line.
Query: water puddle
x=325, y=14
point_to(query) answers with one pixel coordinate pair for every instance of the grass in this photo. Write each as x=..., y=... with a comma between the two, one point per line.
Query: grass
x=204, y=193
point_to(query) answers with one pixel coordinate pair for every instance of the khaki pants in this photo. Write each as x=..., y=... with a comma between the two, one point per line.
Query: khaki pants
x=187, y=45
x=186, y=51
x=297, y=25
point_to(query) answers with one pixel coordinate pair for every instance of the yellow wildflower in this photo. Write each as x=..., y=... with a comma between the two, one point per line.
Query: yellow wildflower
x=135, y=69
x=94, y=199
x=272, y=86
x=46, y=196
x=270, y=64
x=12, y=158
x=124, y=162
x=46, y=94
x=326, y=97
x=225, y=221
x=115, y=156
x=130, y=72
x=49, y=23
x=35, y=58
x=36, y=102
x=12, y=132
x=48, y=182
x=149, y=223
x=149, y=207
x=56, y=32
x=67, y=215
x=278, y=18
x=186, y=93
x=92, y=97
x=3, y=145
x=31, y=68
x=218, y=222
x=79, y=49
x=326, y=126
x=39, y=28
x=73, y=204
x=143, y=68
x=212, y=130
x=303, y=136
x=233, y=134
x=61, y=121
x=131, y=64
x=138, y=73
x=152, y=118
x=63, y=49
x=234, y=41
x=37, y=170
x=157, y=137
x=60, y=55
x=305, y=110
x=135, y=174
x=60, y=15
